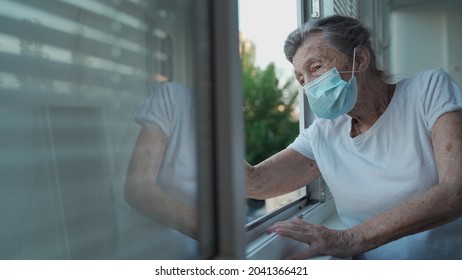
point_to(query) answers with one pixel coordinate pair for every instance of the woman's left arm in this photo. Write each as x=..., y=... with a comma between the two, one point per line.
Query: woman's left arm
x=439, y=205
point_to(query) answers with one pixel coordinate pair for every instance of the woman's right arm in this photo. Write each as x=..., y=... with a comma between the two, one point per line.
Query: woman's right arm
x=141, y=191
x=282, y=173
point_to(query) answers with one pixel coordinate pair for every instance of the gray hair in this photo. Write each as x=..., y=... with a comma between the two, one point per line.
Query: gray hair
x=340, y=32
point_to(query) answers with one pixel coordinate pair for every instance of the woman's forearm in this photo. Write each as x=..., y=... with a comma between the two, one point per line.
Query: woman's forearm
x=282, y=173
x=165, y=209
x=439, y=205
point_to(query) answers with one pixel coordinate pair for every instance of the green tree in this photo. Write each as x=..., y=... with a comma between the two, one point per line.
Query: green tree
x=268, y=111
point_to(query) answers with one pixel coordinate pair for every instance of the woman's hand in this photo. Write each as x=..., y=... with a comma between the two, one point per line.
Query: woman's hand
x=320, y=240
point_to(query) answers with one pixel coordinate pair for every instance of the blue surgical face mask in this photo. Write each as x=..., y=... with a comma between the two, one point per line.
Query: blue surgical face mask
x=330, y=96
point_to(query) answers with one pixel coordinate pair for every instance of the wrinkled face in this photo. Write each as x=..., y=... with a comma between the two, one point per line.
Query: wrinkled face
x=314, y=57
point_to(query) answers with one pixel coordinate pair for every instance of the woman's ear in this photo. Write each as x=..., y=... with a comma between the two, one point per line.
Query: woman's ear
x=363, y=58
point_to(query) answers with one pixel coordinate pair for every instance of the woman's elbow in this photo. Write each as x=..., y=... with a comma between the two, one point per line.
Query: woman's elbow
x=254, y=193
x=131, y=193
x=252, y=188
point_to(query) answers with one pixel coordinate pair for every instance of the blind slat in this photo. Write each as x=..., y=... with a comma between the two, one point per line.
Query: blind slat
x=347, y=8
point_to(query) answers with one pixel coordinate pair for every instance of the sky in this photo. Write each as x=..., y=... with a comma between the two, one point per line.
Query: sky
x=267, y=23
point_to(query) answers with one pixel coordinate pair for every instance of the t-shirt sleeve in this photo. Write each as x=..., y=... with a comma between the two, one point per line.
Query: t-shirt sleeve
x=442, y=95
x=303, y=142
x=159, y=108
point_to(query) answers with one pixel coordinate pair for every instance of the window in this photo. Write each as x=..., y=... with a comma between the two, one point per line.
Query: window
x=77, y=80
x=74, y=75
x=262, y=55
x=270, y=91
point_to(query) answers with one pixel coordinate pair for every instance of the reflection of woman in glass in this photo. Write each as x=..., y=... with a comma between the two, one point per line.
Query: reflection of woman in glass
x=161, y=179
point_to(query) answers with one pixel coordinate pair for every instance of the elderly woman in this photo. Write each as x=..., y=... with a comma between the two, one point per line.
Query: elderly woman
x=391, y=154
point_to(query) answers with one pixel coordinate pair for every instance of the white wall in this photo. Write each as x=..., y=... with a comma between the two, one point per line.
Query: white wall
x=426, y=35
x=418, y=40
x=454, y=36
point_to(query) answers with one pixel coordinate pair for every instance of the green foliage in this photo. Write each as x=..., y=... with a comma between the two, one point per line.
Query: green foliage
x=268, y=111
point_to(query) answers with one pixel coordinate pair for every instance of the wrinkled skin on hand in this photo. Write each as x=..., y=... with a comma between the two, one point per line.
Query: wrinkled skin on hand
x=320, y=240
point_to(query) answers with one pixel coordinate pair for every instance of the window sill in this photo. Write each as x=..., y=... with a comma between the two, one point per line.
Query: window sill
x=274, y=247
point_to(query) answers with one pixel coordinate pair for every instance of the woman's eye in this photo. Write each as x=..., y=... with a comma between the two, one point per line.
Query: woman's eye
x=316, y=68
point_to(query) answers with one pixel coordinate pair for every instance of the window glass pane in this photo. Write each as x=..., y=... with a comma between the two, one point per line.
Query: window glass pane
x=74, y=77
x=270, y=100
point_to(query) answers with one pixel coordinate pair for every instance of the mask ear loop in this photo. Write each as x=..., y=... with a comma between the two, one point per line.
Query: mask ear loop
x=354, y=61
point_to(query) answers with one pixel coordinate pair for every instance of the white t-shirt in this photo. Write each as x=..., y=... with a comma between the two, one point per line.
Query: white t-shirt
x=389, y=163
x=171, y=107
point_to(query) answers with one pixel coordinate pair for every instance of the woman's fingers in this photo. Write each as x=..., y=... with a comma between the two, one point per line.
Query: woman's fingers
x=295, y=229
x=319, y=239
